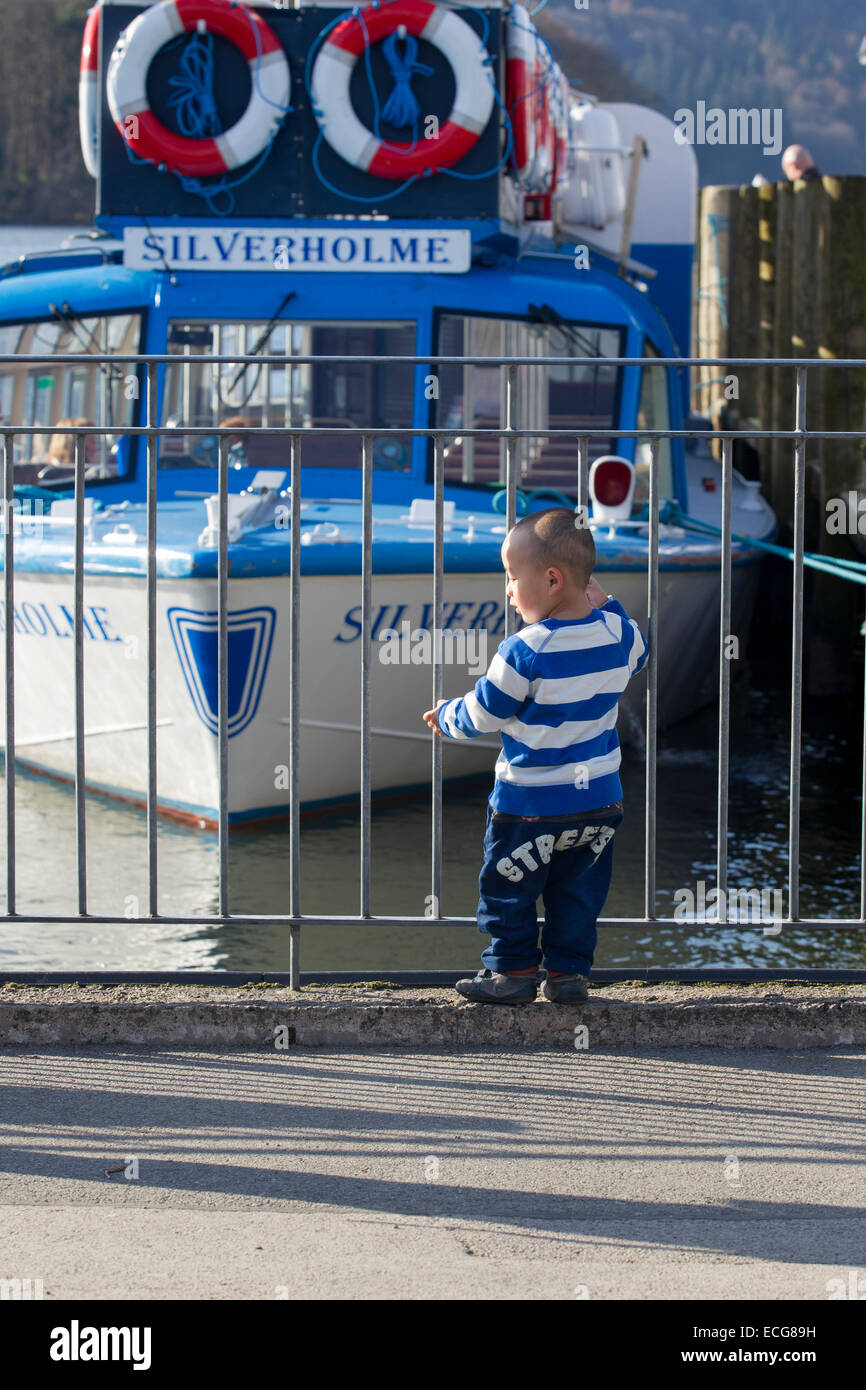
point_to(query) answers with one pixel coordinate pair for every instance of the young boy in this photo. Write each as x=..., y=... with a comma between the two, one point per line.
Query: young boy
x=551, y=691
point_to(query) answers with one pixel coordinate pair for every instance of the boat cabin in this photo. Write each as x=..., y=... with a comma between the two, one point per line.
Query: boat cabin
x=110, y=311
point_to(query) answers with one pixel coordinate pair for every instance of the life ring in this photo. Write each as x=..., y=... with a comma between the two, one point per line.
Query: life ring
x=533, y=83
x=520, y=85
x=139, y=44
x=473, y=96
x=88, y=92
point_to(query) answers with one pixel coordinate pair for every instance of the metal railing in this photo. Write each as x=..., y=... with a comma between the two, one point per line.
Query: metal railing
x=295, y=919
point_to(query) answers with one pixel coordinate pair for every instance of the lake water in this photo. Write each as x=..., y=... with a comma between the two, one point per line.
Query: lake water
x=258, y=859
x=15, y=241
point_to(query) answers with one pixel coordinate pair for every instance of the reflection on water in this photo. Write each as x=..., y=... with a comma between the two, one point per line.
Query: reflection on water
x=259, y=866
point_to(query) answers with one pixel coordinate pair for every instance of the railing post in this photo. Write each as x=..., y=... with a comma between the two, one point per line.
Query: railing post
x=152, y=463
x=863, y=812
x=510, y=475
x=438, y=608
x=223, y=676
x=78, y=587
x=468, y=407
x=9, y=638
x=583, y=478
x=797, y=650
x=295, y=714
x=366, y=655
x=652, y=686
x=724, y=675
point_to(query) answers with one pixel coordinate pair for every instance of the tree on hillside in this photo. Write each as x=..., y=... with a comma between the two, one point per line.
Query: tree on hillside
x=590, y=65
x=42, y=175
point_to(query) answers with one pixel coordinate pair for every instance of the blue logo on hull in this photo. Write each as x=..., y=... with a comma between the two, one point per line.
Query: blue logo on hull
x=196, y=640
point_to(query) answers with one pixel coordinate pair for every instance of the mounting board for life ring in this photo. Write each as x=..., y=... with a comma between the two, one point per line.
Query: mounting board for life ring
x=301, y=174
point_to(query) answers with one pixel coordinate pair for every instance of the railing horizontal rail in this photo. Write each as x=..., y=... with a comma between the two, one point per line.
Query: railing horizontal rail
x=424, y=432
x=318, y=920
x=415, y=979
x=404, y=359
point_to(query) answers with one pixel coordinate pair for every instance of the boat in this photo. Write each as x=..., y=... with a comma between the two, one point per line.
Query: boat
x=257, y=197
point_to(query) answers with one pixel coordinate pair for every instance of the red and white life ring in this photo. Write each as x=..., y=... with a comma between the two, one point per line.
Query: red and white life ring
x=533, y=82
x=473, y=96
x=139, y=44
x=520, y=84
x=88, y=92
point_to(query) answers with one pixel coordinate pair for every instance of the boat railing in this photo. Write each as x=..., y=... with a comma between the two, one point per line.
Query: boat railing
x=295, y=920
x=90, y=248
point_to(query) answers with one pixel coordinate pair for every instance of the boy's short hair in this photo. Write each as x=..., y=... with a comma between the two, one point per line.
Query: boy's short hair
x=558, y=537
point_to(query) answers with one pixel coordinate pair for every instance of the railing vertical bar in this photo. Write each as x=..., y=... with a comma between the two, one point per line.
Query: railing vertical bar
x=78, y=590
x=366, y=617
x=652, y=686
x=468, y=406
x=863, y=812
x=510, y=475
x=9, y=636
x=583, y=477
x=295, y=714
x=152, y=445
x=797, y=650
x=438, y=610
x=223, y=678
x=724, y=673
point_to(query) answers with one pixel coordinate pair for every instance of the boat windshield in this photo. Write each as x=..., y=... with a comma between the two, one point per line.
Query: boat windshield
x=371, y=395
x=582, y=396
x=58, y=397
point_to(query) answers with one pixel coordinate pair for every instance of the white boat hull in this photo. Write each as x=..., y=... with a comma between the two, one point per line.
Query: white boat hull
x=188, y=754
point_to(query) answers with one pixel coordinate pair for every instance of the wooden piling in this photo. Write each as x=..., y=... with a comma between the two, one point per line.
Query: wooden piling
x=778, y=484
x=765, y=385
x=713, y=264
x=743, y=309
x=796, y=274
x=839, y=404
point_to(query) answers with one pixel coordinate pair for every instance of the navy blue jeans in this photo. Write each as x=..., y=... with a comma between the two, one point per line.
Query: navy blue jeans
x=567, y=861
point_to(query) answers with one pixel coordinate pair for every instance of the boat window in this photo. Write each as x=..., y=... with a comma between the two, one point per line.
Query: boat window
x=550, y=397
x=367, y=395
x=653, y=414
x=60, y=396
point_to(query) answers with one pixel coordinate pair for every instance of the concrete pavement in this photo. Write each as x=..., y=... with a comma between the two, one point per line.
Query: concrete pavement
x=675, y=1174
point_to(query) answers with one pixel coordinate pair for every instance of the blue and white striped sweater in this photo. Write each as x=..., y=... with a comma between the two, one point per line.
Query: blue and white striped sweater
x=551, y=691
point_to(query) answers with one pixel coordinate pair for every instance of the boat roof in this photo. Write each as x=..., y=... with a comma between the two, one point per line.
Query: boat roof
x=94, y=281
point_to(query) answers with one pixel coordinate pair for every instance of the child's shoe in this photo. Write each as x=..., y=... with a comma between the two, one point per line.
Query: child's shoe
x=489, y=987
x=565, y=989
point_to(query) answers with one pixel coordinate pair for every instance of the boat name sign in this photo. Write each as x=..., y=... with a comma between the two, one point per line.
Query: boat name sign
x=317, y=248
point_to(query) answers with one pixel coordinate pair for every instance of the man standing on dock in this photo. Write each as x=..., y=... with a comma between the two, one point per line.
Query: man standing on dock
x=797, y=163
